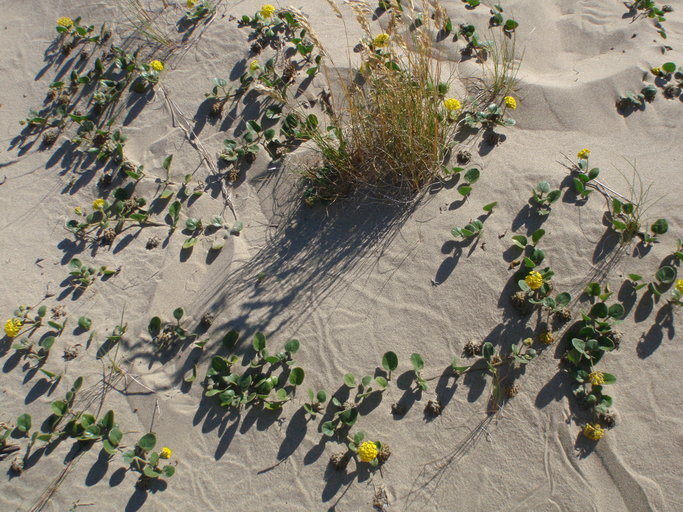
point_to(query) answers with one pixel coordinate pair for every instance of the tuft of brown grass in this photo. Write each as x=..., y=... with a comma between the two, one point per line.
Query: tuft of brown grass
x=390, y=133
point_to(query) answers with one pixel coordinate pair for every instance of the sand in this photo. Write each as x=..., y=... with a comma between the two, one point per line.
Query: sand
x=352, y=281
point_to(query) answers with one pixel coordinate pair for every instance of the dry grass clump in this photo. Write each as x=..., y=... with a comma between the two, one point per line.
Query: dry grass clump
x=389, y=132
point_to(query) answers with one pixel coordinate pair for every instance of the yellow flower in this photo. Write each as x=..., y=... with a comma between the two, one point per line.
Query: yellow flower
x=656, y=71
x=254, y=65
x=593, y=431
x=65, y=22
x=267, y=11
x=78, y=210
x=452, y=104
x=583, y=154
x=98, y=204
x=596, y=378
x=381, y=40
x=510, y=102
x=156, y=65
x=546, y=337
x=367, y=452
x=190, y=3
x=534, y=280
x=12, y=327
x=165, y=453
x=679, y=285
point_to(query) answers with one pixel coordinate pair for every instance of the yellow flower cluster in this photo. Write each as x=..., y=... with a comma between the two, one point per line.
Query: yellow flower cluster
x=679, y=285
x=78, y=210
x=98, y=204
x=510, y=102
x=65, y=22
x=165, y=453
x=583, y=154
x=593, y=431
x=596, y=378
x=546, y=337
x=267, y=11
x=534, y=280
x=12, y=327
x=452, y=104
x=254, y=65
x=156, y=65
x=656, y=71
x=367, y=452
x=190, y=3
x=381, y=40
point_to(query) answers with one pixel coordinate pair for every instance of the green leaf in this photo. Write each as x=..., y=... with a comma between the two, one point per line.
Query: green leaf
x=107, y=421
x=190, y=242
x=520, y=241
x=553, y=196
x=296, y=377
x=472, y=175
x=464, y=190
x=167, y=162
x=292, y=346
x=390, y=361
x=609, y=378
x=109, y=448
x=321, y=396
x=149, y=472
x=24, y=423
x=489, y=207
x=230, y=339
x=417, y=361
x=666, y=274
x=169, y=471
x=154, y=327
x=174, y=210
x=349, y=416
x=593, y=289
x=46, y=343
x=669, y=67
x=616, y=311
x=599, y=310
x=328, y=428
x=115, y=436
x=178, y=313
x=537, y=235
x=563, y=299
x=660, y=227
x=487, y=350
x=258, y=342
x=350, y=380
x=148, y=442
x=59, y=408
x=192, y=224
x=543, y=187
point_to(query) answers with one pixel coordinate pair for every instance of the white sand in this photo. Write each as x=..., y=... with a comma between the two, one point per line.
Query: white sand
x=353, y=281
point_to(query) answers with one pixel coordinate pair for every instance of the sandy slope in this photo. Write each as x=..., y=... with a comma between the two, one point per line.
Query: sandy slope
x=354, y=281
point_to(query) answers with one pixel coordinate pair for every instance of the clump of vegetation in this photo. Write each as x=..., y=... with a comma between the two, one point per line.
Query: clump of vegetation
x=260, y=383
x=347, y=412
x=149, y=463
x=493, y=363
x=369, y=452
x=591, y=339
x=650, y=9
x=198, y=9
x=542, y=197
x=82, y=276
x=168, y=335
